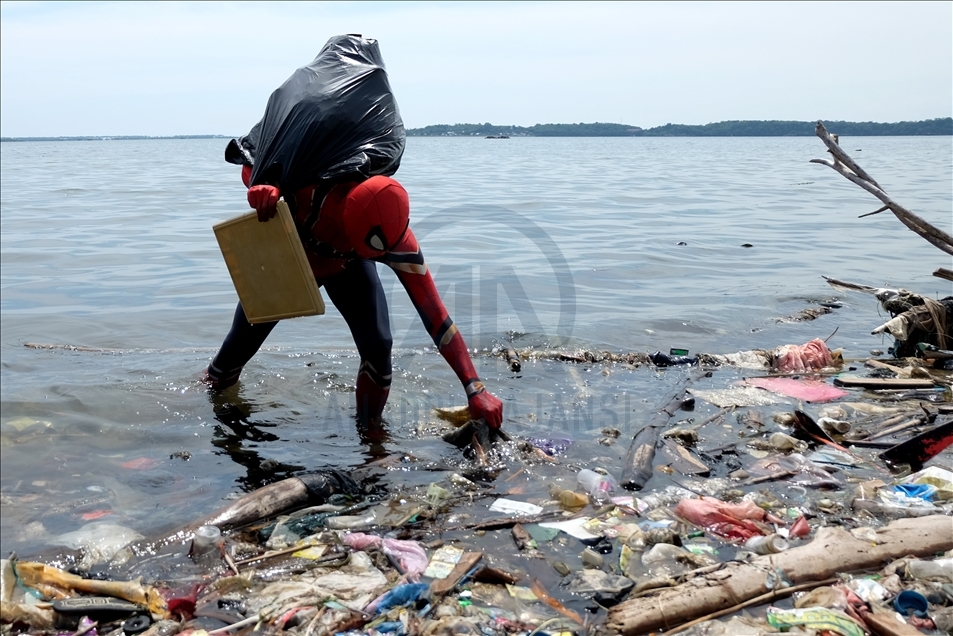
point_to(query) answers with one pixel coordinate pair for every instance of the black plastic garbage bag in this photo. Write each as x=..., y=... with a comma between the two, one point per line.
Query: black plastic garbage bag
x=476, y=431
x=334, y=118
x=324, y=484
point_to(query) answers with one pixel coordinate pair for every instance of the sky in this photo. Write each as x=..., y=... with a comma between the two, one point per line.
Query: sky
x=91, y=68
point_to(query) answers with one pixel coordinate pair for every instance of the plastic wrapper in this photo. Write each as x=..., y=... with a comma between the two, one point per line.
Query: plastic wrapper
x=815, y=618
x=332, y=119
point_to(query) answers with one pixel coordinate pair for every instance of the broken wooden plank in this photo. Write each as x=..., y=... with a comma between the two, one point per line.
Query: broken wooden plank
x=464, y=565
x=855, y=382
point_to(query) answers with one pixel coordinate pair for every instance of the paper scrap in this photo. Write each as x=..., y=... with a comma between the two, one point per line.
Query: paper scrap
x=510, y=506
x=443, y=561
x=573, y=527
x=521, y=593
x=313, y=552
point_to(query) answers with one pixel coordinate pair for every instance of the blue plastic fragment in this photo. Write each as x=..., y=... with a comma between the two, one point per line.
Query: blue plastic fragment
x=921, y=491
x=402, y=595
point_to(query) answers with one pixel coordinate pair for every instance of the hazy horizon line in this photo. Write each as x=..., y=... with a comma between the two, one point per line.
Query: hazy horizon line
x=106, y=137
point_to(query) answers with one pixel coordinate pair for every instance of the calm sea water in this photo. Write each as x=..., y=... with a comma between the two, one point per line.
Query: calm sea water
x=539, y=242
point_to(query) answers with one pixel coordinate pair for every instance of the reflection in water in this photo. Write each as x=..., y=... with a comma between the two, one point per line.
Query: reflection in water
x=237, y=437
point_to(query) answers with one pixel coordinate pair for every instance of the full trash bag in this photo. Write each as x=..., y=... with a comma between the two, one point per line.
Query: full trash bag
x=333, y=118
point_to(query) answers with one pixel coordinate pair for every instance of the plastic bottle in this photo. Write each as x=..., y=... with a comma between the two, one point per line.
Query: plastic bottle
x=206, y=538
x=771, y=544
x=783, y=442
x=938, y=569
x=205, y=542
x=351, y=522
x=599, y=487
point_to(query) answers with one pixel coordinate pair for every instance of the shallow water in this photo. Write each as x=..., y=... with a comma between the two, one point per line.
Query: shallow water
x=539, y=242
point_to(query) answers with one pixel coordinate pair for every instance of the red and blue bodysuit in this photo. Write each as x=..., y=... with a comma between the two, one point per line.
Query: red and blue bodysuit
x=346, y=229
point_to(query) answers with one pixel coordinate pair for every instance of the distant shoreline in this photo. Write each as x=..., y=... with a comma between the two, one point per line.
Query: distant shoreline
x=743, y=128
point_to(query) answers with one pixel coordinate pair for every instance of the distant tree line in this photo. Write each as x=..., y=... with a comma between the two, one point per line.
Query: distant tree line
x=942, y=126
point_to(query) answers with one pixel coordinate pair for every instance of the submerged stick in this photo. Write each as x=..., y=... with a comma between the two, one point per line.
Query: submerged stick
x=833, y=282
x=637, y=466
x=919, y=420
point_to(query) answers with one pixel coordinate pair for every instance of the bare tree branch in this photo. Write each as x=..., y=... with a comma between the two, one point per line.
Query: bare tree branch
x=846, y=167
x=877, y=211
x=840, y=155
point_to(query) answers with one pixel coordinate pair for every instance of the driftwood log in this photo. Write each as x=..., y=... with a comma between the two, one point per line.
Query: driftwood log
x=848, y=168
x=833, y=550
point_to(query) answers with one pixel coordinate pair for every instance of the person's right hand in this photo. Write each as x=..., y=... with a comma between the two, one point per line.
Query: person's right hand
x=264, y=198
x=484, y=404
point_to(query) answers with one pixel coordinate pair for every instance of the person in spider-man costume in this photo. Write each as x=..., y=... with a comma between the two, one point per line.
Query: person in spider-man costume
x=347, y=227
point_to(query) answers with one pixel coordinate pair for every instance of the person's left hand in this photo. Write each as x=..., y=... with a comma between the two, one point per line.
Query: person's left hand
x=486, y=405
x=264, y=198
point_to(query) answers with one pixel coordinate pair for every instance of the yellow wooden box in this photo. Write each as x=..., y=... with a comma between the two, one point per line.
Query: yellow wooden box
x=269, y=267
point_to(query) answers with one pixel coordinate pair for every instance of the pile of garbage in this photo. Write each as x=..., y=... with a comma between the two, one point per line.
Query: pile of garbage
x=830, y=515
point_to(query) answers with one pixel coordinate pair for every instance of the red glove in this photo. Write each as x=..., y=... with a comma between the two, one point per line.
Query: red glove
x=264, y=198
x=484, y=404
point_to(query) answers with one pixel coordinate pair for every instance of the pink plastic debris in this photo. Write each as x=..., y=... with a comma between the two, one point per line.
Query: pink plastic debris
x=732, y=521
x=409, y=556
x=812, y=356
x=807, y=390
x=800, y=528
x=361, y=541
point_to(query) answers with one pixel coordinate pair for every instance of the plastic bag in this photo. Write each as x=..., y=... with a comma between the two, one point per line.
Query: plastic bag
x=408, y=555
x=333, y=118
x=733, y=521
x=398, y=597
x=812, y=356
